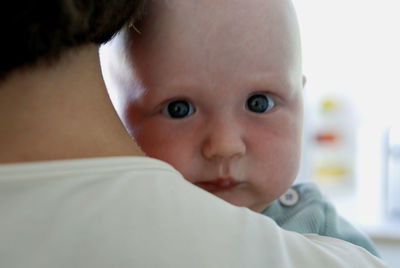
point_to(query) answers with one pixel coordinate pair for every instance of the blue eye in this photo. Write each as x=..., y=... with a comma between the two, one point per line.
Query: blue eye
x=259, y=103
x=178, y=109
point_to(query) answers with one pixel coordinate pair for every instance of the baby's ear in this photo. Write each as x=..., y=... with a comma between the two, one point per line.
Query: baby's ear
x=304, y=80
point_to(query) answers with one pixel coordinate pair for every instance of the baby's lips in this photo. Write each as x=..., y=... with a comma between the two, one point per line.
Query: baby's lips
x=219, y=184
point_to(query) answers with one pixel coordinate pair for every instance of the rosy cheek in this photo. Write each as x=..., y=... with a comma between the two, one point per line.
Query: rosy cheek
x=157, y=143
x=148, y=139
x=152, y=147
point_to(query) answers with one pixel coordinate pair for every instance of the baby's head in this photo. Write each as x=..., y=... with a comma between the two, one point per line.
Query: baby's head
x=215, y=89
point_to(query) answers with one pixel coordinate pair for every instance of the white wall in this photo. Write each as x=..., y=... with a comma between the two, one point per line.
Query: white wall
x=352, y=48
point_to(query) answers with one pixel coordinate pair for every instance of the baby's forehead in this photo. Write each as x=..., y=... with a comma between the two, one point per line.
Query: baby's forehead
x=232, y=90
x=203, y=18
x=198, y=44
x=206, y=31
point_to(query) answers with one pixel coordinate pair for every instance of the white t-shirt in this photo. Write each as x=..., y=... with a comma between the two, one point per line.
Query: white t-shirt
x=140, y=212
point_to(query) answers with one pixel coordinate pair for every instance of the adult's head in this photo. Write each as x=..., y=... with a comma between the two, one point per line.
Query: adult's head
x=42, y=30
x=53, y=101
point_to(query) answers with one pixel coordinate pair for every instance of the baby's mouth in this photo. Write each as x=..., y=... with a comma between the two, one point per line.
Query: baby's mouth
x=218, y=185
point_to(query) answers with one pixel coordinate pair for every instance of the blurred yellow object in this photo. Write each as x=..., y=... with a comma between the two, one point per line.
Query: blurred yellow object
x=328, y=104
x=331, y=171
x=332, y=142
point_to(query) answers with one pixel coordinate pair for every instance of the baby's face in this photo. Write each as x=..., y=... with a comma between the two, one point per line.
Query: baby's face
x=218, y=94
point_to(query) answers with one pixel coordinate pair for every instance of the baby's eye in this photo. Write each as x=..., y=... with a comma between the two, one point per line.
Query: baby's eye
x=178, y=109
x=259, y=103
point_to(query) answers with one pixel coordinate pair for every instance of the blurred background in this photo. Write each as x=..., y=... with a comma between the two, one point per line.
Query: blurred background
x=351, y=57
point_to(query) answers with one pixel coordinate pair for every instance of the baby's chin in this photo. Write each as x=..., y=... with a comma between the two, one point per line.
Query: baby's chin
x=239, y=196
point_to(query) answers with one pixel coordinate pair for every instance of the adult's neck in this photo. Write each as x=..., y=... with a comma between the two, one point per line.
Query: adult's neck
x=61, y=111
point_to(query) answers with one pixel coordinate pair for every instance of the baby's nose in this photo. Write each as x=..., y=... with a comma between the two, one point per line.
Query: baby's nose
x=224, y=141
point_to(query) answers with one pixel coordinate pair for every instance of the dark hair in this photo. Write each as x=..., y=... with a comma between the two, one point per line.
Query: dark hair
x=35, y=30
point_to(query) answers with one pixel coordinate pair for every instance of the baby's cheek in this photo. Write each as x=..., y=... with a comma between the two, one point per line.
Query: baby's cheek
x=277, y=157
x=154, y=147
x=147, y=140
x=165, y=148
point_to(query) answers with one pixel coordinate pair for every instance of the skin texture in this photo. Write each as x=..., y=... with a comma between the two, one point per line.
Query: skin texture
x=60, y=111
x=214, y=55
x=53, y=101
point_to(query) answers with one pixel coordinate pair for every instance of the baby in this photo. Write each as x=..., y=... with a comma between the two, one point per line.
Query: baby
x=215, y=89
